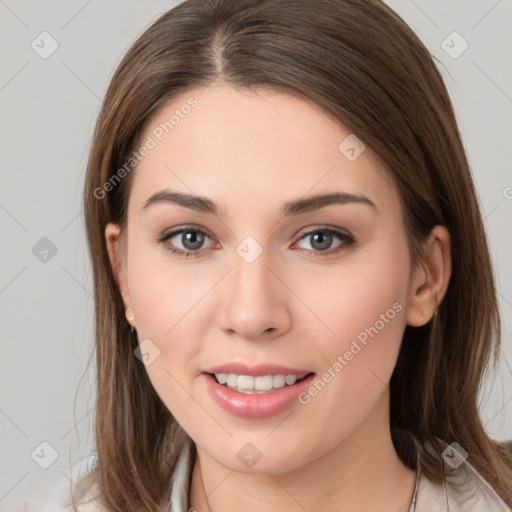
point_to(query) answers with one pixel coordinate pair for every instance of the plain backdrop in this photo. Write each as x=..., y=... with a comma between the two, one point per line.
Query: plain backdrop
x=49, y=103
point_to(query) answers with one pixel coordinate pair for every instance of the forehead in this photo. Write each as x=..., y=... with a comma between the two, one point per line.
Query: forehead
x=247, y=148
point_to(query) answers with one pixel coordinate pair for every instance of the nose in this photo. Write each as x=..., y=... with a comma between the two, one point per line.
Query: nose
x=255, y=301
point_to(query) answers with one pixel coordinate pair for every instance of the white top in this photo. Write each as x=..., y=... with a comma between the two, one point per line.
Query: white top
x=474, y=495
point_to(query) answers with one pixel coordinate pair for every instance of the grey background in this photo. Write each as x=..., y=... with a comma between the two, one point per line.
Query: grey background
x=48, y=109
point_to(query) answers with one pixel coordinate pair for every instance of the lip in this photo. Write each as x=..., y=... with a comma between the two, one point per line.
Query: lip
x=255, y=406
x=257, y=371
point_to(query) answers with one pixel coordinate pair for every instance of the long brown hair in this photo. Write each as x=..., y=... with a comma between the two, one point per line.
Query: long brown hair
x=360, y=62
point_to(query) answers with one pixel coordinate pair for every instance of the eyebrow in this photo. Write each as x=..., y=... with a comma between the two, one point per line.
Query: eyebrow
x=295, y=207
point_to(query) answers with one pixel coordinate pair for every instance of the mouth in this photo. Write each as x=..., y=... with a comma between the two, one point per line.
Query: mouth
x=269, y=391
x=257, y=385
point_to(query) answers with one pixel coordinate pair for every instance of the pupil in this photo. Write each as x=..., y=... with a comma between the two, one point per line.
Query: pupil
x=323, y=240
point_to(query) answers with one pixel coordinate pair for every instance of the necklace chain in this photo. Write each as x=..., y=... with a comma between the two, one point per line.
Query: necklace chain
x=414, y=496
x=416, y=485
x=204, y=491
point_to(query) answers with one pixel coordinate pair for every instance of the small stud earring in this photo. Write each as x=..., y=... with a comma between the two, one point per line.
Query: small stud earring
x=130, y=317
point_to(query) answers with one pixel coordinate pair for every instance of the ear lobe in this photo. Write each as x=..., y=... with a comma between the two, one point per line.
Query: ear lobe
x=112, y=236
x=430, y=279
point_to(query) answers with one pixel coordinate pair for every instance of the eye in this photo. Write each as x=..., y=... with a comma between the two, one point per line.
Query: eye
x=321, y=240
x=191, y=240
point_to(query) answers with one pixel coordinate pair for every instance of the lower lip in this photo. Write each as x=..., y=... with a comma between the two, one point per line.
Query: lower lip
x=256, y=405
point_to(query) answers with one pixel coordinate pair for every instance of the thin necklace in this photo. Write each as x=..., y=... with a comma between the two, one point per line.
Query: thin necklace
x=412, y=508
x=204, y=490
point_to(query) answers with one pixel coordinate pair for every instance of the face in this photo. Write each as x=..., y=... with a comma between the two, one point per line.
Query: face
x=270, y=283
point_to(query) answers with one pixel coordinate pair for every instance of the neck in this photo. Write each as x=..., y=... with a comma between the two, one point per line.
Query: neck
x=362, y=473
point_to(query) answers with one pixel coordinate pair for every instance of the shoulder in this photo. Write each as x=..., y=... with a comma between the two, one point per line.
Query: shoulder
x=470, y=491
x=81, y=486
x=89, y=506
x=89, y=499
x=463, y=489
x=74, y=490
x=86, y=495
x=462, y=493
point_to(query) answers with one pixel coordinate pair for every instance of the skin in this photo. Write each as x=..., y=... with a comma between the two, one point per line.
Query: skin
x=250, y=151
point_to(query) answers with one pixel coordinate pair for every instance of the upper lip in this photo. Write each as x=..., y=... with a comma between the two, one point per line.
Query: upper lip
x=258, y=370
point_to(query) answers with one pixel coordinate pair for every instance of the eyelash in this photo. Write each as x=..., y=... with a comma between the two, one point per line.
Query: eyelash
x=347, y=241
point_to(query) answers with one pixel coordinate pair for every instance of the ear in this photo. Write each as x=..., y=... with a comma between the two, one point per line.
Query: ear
x=118, y=262
x=430, y=279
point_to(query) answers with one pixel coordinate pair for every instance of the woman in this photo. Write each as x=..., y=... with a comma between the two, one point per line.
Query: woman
x=294, y=299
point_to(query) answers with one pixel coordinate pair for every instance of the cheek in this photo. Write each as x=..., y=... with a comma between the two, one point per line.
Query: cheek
x=365, y=294
x=367, y=321
x=360, y=354
x=357, y=363
x=164, y=294
x=171, y=311
x=167, y=324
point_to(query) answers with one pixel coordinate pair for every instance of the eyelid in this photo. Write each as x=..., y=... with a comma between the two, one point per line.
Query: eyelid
x=323, y=227
x=185, y=227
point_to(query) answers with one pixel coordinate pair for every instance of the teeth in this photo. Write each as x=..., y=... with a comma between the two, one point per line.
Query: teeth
x=291, y=379
x=264, y=383
x=255, y=385
x=245, y=382
x=222, y=378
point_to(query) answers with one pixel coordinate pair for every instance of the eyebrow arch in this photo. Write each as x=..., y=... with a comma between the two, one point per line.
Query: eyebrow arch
x=298, y=206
